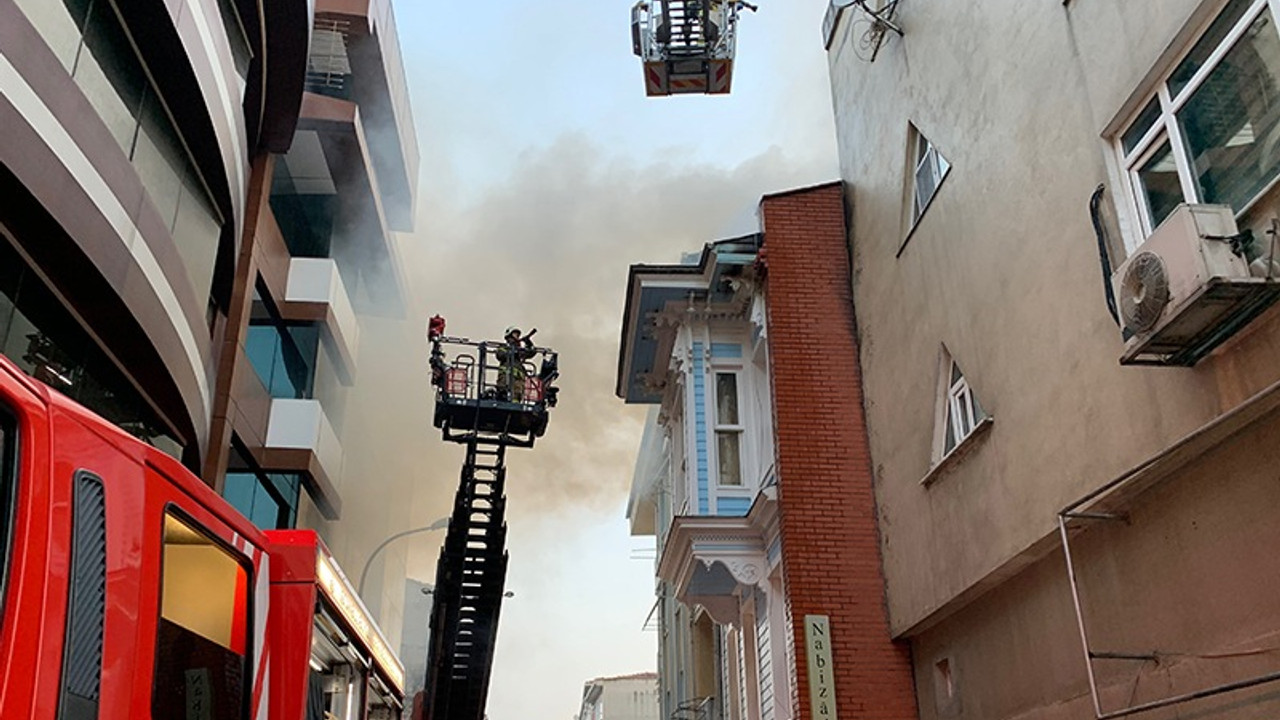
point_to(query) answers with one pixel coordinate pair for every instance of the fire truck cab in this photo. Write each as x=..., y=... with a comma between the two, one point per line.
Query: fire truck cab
x=129, y=589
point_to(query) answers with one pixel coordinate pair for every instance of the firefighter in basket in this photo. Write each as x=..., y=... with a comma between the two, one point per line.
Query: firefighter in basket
x=512, y=354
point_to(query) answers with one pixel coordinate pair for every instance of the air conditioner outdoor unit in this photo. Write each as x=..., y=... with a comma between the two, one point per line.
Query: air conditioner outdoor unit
x=1187, y=288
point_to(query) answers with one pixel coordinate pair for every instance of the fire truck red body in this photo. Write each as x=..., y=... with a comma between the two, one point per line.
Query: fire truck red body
x=131, y=590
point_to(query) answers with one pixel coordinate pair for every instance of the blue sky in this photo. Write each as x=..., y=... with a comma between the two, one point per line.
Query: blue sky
x=545, y=173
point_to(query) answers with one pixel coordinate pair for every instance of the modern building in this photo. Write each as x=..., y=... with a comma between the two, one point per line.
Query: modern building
x=753, y=474
x=200, y=204
x=296, y=419
x=622, y=697
x=132, y=131
x=1063, y=229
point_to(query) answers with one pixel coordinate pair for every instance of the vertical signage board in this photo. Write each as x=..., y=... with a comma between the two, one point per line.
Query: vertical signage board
x=822, y=686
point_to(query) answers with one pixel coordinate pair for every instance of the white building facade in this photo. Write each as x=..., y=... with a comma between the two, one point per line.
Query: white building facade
x=694, y=349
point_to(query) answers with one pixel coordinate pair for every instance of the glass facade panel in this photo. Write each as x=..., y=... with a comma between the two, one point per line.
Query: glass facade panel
x=269, y=500
x=110, y=75
x=43, y=339
x=60, y=23
x=241, y=53
x=159, y=159
x=1231, y=122
x=284, y=356
x=306, y=221
x=196, y=232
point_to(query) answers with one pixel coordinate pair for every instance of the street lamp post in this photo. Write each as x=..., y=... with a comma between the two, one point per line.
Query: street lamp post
x=440, y=524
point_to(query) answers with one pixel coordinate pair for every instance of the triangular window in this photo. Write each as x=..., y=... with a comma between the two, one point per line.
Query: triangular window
x=929, y=170
x=962, y=414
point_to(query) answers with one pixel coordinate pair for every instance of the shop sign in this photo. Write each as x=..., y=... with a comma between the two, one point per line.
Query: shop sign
x=822, y=686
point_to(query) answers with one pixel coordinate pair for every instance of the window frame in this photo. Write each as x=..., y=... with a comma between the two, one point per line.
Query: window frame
x=960, y=406
x=922, y=150
x=738, y=429
x=249, y=682
x=950, y=394
x=1165, y=126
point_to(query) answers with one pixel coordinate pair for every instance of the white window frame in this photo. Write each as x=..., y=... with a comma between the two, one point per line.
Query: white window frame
x=954, y=399
x=738, y=428
x=961, y=414
x=926, y=157
x=1166, y=124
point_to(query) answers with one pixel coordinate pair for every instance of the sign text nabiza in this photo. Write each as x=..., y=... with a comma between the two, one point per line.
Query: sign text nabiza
x=822, y=686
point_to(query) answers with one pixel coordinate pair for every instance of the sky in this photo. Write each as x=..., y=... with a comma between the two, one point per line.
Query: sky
x=545, y=173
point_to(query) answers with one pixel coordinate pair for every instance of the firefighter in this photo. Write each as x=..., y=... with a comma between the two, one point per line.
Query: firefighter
x=514, y=351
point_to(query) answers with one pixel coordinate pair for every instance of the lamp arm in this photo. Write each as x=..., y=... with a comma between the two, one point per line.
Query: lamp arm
x=364, y=574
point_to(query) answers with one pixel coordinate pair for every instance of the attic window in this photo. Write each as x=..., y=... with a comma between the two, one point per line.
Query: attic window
x=960, y=419
x=930, y=168
x=963, y=413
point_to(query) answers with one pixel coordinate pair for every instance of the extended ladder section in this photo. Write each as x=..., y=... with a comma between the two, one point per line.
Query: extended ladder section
x=489, y=396
x=687, y=46
x=470, y=577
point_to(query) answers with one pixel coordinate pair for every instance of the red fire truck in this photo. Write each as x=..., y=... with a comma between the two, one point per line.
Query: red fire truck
x=130, y=590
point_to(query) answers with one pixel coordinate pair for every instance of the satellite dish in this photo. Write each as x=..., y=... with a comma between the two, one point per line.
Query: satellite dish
x=872, y=27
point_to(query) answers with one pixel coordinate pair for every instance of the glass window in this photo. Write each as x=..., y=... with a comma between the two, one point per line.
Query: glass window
x=283, y=355
x=728, y=452
x=1212, y=133
x=1141, y=126
x=241, y=53
x=110, y=75
x=159, y=159
x=202, y=643
x=196, y=232
x=60, y=23
x=97, y=50
x=1212, y=38
x=727, y=398
x=39, y=335
x=728, y=430
x=1158, y=184
x=270, y=500
x=930, y=168
x=964, y=414
x=1230, y=120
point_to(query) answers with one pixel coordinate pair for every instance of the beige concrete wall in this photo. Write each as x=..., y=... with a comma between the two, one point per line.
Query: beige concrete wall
x=1193, y=576
x=1003, y=270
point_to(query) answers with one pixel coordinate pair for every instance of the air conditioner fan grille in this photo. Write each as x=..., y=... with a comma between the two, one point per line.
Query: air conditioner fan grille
x=1144, y=291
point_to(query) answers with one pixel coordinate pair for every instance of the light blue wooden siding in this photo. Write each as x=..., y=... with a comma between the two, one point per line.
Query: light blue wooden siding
x=726, y=350
x=700, y=429
x=734, y=506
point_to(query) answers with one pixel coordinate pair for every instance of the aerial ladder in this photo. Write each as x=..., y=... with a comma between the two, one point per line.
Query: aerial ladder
x=686, y=46
x=490, y=396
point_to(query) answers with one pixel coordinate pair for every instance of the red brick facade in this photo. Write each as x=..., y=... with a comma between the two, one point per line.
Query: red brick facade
x=830, y=540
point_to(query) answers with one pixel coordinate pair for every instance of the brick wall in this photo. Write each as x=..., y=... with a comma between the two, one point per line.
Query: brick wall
x=830, y=540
